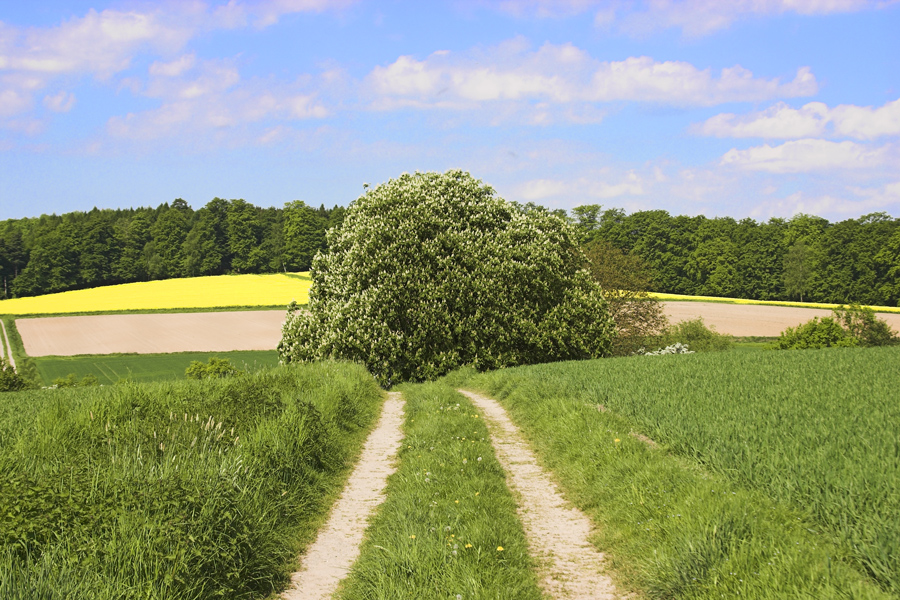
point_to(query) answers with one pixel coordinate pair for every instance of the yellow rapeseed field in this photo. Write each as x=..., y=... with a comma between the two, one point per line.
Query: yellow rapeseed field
x=676, y=297
x=197, y=292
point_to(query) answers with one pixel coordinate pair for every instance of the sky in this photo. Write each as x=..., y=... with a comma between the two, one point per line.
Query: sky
x=739, y=108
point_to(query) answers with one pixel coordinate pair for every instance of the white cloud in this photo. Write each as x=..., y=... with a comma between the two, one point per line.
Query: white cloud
x=806, y=155
x=103, y=44
x=850, y=201
x=565, y=74
x=694, y=17
x=864, y=122
x=583, y=188
x=702, y=17
x=268, y=12
x=174, y=68
x=61, y=102
x=778, y=121
x=812, y=120
x=13, y=102
x=681, y=83
x=100, y=43
x=214, y=98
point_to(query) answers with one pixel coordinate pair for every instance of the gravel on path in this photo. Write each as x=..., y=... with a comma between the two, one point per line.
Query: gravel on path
x=569, y=566
x=329, y=558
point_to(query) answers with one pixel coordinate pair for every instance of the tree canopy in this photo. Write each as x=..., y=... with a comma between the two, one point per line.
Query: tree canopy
x=432, y=271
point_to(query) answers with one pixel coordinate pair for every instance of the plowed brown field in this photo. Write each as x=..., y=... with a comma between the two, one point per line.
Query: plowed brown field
x=152, y=333
x=751, y=319
x=261, y=330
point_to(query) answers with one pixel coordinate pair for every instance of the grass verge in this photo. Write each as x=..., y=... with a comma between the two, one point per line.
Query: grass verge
x=448, y=528
x=775, y=474
x=25, y=365
x=112, y=368
x=174, y=490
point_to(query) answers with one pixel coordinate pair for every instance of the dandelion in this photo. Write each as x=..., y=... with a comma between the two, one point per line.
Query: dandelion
x=479, y=459
x=499, y=548
x=465, y=461
x=457, y=501
x=468, y=545
x=617, y=440
x=412, y=537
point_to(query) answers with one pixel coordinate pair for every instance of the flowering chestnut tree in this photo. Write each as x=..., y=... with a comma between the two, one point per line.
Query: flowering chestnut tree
x=433, y=271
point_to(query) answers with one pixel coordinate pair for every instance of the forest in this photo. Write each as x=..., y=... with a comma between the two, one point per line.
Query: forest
x=804, y=258
x=76, y=250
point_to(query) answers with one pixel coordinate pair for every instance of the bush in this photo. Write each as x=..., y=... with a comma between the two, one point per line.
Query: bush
x=10, y=380
x=852, y=325
x=71, y=380
x=217, y=367
x=432, y=271
x=861, y=323
x=625, y=280
x=697, y=336
x=824, y=332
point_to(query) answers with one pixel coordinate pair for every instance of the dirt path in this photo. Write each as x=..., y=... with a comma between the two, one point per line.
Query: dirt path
x=6, y=348
x=570, y=567
x=330, y=557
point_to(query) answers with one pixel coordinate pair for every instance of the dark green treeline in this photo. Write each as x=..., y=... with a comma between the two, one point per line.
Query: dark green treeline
x=102, y=247
x=857, y=260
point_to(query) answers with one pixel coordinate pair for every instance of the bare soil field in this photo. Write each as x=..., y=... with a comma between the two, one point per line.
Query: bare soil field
x=750, y=319
x=152, y=333
x=261, y=330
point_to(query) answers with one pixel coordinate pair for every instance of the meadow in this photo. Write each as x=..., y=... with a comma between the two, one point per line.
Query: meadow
x=748, y=474
x=191, y=489
x=195, y=293
x=113, y=368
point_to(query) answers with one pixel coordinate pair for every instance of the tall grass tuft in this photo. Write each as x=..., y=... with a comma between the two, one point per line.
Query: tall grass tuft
x=194, y=489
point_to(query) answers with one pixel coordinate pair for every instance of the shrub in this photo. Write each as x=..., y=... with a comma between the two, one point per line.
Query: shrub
x=432, y=271
x=217, y=367
x=695, y=334
x=625, y=280
x=861, y=323
x=71, y=380
x=824, y=332
x=10, y=380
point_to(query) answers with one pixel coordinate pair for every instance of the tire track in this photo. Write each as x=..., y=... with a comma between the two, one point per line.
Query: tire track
x=557, y=532
x=7, y=348
x=328, y=560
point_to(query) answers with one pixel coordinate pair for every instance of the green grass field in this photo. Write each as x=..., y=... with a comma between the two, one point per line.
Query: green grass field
x=112, y=368
x=174, y=490
x=777, y=475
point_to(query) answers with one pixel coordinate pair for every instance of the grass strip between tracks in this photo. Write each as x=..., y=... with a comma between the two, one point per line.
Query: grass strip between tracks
x=448, y=528
x=696, y=511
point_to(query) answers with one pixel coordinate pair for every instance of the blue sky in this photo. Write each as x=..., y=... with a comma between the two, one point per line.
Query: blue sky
x=745, y=108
